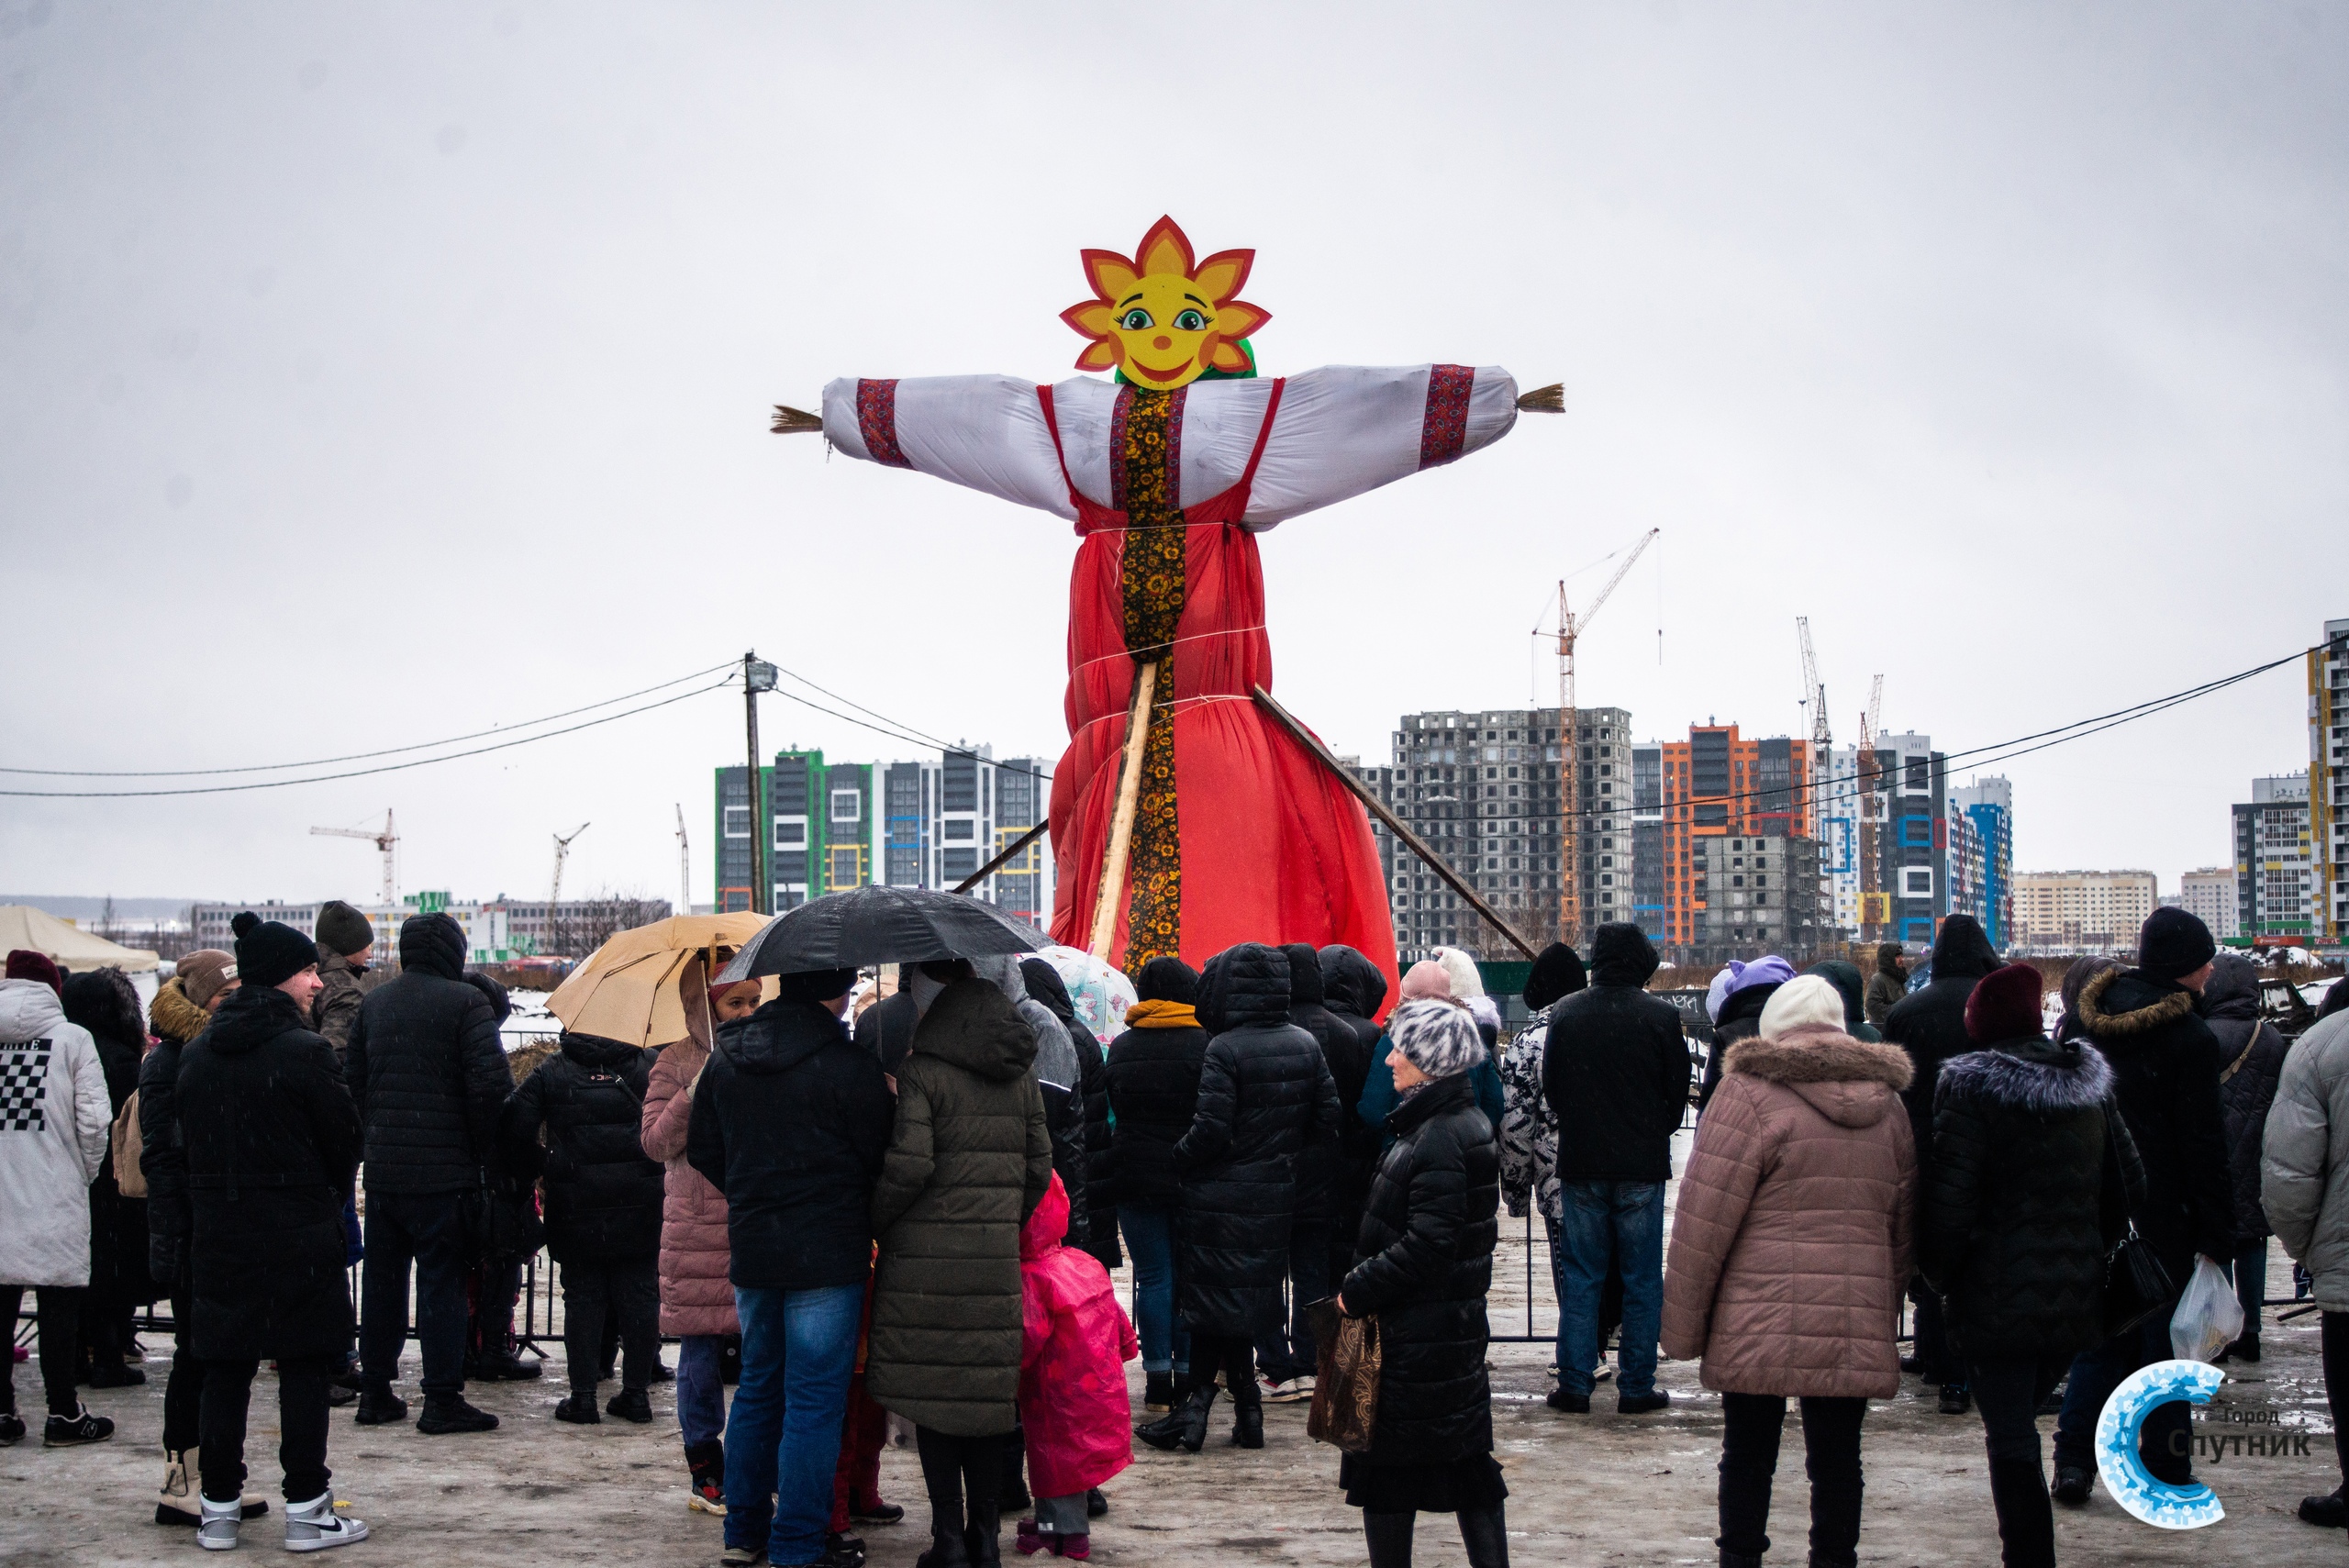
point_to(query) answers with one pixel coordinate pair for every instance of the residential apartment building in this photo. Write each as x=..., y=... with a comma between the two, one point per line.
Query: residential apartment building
x=830, y=826
x=1693, y=799
x=2275, y=863
x=1483, y=790
x=497, y=930
x=2084, y=911
x=2208, y=894
x=209, y=922
x=1898, y=800
x=2329, y=788
x=1982, y=815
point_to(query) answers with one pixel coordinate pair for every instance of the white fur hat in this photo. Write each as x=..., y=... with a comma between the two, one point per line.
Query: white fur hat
x=1806, y=1002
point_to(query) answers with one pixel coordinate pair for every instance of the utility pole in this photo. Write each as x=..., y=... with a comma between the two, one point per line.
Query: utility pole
x=684, y=866
x=757, y=676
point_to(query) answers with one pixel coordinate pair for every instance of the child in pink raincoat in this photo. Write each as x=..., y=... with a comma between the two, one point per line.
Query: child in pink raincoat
x=1073, y=1402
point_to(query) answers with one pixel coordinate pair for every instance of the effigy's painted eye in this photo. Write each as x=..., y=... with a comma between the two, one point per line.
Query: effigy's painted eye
x=1190, y=321
x=1136, y=320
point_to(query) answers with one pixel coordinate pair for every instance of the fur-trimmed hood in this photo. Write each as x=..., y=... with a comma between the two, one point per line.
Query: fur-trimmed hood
x=176, y=1017
x=2141, y=1007
x=2029, y=1076
x=1849, y=1082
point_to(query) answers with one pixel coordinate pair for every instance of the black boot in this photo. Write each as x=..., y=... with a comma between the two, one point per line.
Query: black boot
x=2026, y=1520
x=1248, y=1425
x=2329, y=1510
x=446, y=1413
x=378, y=1406
x=947, y=1549
x=979, y=1538
x=1195, y=1418
x=1158, y=1391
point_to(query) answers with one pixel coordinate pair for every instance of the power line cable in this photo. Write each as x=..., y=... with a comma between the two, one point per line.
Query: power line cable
x=359, y=756
x=358, y=773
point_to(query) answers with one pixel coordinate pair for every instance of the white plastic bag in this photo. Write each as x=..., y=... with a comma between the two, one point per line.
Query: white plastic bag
x=2209, y=1317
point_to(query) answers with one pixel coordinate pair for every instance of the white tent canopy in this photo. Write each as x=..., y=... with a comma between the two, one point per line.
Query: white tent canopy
x=68, y=947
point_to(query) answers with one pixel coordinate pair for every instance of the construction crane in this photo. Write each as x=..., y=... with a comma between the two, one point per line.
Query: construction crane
x=1571, y=627
x=561, y=853
x=1822, y=752
x=684, y=866
x=1874, y=905
x=387, y=840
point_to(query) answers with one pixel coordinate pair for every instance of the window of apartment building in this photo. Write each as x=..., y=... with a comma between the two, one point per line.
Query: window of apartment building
x=956, y=828
x=791, y=832
x=846, y=807
x=737, y=821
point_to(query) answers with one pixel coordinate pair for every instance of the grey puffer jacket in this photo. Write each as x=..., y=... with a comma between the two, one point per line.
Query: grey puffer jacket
x=2251, y=1058
x=2304, y=1159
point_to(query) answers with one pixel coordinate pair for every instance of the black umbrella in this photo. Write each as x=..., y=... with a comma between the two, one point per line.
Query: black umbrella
x=881, y=924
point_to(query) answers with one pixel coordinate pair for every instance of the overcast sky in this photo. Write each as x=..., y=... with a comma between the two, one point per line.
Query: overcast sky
x=373, y=373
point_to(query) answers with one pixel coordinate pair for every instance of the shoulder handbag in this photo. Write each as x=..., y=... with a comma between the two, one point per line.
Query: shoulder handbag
x=129, y=1143
x=2136, y=1286
x=1345, y=1384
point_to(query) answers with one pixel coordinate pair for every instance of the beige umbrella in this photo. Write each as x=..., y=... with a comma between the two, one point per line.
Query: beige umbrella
x=633, y=987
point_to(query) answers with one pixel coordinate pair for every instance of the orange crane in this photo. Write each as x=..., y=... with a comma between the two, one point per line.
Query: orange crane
x=1571, y=627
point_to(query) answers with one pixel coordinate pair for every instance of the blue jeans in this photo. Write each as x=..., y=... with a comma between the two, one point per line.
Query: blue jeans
x=2166, y=1441
x=1602, y=1223
x=1149, y=1237
x=783, y=1434
x=701, y=1389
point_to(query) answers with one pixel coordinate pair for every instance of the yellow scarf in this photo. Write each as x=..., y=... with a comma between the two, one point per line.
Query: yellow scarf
x=1161, y=1016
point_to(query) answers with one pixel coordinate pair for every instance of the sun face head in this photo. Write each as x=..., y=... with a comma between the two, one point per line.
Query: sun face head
x=1161, y=318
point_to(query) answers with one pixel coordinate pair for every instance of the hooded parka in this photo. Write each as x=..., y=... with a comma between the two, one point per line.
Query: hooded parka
x=603, y=1193
x=1074, y=1413
x=1791, y=1243
x=2304, y=1166
x=1152, y=1081
x=789, y=1126
x=2251, y=1059
x=1423, y=1263
x=176, y=1021
x=2030, y=1186
x=1354, y=992
x=696, y=1295
x=1099, y=1232
x=1930, y=1023
x=427, y=1069
x=53, y=1122
x=2166, y=1080
x=968, y=1164
x=270, y=1141
x=1264, y=1092
x=1615, y=1068
x=1316, y=1164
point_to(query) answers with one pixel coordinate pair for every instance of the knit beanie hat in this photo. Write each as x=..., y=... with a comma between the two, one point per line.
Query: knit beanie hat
x=2174, y=943
x=25, y=965
x=205, y=973
x=270, y=952
x=1437, y=1037
x=815, y=985
x=1426, y=979
x=1771, y=970
x=2004, y=1004
x=1557, y=972
x=1806, y=1002
x=342, y=929
x=1167, y=979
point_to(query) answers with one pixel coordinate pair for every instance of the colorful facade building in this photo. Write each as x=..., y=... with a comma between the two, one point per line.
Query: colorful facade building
x=2329, y=788
x=2275, y=882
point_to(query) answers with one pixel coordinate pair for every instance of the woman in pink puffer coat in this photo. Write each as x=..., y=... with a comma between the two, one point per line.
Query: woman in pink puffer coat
x=1790, y=1248
x=696, y=1298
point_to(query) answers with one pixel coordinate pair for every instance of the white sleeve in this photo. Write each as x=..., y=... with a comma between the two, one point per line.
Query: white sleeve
x=93, y=1109
x=987, y=432
x=1343, y=429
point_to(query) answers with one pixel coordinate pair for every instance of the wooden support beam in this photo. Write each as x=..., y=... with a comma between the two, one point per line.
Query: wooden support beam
x=1121, y=824
x=1377, y=809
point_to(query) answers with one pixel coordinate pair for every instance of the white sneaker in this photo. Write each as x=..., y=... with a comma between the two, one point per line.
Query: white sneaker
x=313, y=1526
x=216, y=1529
x=1601, y=1372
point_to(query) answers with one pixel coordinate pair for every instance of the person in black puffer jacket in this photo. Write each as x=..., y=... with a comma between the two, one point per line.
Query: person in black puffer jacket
x=2165, y=1071
x=268, y=1140
x=2251, y=1059
x=1287, y=1355
x=1152, y=1080
x=1355, y=991
x=514, y=1235
x=1425, y=1261
x=602, y=1197
x=2032, y=1179
x=1264, y=1092
x=1616, y=1075
x=1930, y=1025
x=1751, y=987
x=430, y=1077
x=1100, y=1232
x=106, y=1002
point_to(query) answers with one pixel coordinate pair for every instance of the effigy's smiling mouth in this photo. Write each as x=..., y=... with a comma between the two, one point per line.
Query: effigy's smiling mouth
x=1155, y=374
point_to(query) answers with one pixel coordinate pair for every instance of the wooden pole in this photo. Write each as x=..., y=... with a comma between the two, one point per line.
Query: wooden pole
x=1377, y=809
x=1121, y=824
x=1011, y=852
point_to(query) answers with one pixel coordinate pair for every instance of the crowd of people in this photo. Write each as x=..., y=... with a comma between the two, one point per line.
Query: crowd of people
x=853, y=1206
